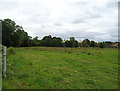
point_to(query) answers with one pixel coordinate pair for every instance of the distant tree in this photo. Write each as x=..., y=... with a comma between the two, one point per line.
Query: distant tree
x=71, y=43
x=96, y=44
x=51, y=41
x=101, y=45
x=72, y=39
x=74, y=42
x=57, y=42
x=92, y=44
x=68, y=43
x=47, y=41
x=35, y=41
x=41, y=43
x=85, y=43
x=47, y=37
x=107, y=43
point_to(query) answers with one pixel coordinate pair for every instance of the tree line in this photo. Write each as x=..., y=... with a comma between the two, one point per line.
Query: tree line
x=15, y=36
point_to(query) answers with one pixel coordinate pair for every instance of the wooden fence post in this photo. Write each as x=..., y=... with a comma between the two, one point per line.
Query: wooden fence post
x=4, y=62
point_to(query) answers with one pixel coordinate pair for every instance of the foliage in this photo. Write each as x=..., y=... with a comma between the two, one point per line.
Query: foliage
x=71, y=43
x=35, y=41
x=57, y=42
x=12, y=34
x=86, y=43
x=92, y=44
x=50, y=41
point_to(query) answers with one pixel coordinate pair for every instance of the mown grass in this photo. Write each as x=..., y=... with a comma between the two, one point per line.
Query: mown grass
x=61, y=68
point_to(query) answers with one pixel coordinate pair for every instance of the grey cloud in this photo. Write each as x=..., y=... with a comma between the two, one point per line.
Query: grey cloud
x=70, y=18
x=94, y=15
x=58, y=24
x=78, y=3
x=76, y=21
x=112, y=5
x=83, y=20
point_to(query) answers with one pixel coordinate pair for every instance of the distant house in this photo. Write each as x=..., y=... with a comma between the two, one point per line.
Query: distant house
x=115, y=45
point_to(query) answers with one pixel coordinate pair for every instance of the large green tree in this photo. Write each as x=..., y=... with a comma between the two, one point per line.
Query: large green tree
x=27, y=41
x=8, y=28
x=13, y=34
x=18, y=36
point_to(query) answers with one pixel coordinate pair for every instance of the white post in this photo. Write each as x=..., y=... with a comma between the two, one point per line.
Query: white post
x=4, y=59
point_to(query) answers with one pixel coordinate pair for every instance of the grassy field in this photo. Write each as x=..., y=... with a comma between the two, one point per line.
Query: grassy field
x=61, y=68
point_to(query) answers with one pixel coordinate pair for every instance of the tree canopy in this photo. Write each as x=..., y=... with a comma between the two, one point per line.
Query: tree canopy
x=14, y=35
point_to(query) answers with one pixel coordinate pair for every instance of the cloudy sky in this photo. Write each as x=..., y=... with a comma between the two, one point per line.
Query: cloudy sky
x=94, y=19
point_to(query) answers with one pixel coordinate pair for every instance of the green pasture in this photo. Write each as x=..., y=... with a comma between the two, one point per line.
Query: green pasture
x=61, y=68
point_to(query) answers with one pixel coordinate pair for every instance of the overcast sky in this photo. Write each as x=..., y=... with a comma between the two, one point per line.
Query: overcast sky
x=81, y=19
